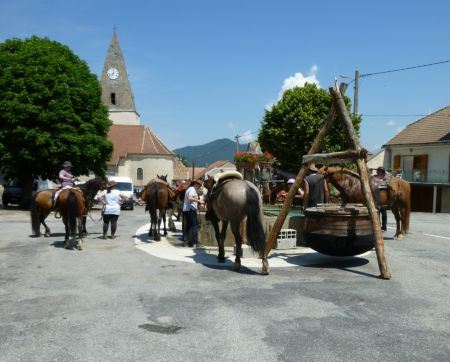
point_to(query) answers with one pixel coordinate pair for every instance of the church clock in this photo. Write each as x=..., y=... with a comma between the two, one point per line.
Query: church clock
x=113, y=73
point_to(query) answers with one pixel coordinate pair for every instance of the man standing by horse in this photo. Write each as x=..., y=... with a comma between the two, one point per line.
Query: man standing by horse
x=315, y=187
x=380, y=179
x=190, y=207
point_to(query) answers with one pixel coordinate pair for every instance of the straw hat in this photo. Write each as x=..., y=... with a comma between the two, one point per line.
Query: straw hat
x=196, y=182
x=111, y=183
x=67, y=164
x=312, y=167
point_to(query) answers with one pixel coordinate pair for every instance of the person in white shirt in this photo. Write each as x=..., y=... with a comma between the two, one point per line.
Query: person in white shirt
x=190, y=207
x=111, y=199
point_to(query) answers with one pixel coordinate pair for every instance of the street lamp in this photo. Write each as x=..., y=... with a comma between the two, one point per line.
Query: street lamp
x=355, y=93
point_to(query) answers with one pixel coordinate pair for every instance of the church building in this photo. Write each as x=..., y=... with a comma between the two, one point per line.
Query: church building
x=138, y=153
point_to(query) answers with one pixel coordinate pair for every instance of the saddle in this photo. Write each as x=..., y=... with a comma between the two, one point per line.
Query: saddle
x=220, y=180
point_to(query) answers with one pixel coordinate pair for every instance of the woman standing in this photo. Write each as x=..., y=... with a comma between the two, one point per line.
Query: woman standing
x=111, y=199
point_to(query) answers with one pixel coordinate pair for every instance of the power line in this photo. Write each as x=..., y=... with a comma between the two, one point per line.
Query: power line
x=406, y=68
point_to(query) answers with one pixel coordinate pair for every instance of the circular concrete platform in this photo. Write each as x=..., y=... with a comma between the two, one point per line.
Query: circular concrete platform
x=171, y=248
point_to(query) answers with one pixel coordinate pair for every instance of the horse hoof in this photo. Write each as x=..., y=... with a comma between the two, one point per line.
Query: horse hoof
x=46, y=235
x=67, y=246
x=236, y=268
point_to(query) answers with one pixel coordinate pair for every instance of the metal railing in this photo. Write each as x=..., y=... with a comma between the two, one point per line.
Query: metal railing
x=424, y=176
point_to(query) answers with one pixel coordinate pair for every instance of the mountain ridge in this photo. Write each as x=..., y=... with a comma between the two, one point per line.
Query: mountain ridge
x=203, y=155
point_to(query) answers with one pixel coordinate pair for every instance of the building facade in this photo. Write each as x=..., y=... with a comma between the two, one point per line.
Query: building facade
x=421, y=155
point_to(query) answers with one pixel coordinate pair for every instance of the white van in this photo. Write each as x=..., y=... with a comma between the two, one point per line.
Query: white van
x=125, y=185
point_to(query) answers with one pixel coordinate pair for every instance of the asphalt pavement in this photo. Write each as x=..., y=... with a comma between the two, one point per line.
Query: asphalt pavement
x=116, y=301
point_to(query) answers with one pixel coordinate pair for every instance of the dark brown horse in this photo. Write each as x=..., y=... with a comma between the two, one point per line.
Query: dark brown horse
x=231, y=201
x=42, y=203
x=396, y=194
x=156, y=195
x=71, y=206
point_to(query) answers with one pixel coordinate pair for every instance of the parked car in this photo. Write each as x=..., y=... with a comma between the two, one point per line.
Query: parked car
x=13, y=191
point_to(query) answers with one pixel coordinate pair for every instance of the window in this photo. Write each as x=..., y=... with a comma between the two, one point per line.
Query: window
x=420, y=167
x=113, y=98
x=140, y=174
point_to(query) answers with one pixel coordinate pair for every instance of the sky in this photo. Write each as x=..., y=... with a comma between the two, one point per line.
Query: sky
x=201, y=70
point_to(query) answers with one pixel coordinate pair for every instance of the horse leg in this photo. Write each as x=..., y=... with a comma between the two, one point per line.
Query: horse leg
x=67, y=236
x=235, y=228
x=164, y=222
x=47, y=229
x=215, y=223
x=81, y=225
x=396, y=213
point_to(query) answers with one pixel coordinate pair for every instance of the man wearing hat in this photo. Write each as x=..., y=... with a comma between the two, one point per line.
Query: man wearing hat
x=315, y=187
x=381, y=178
x=65, y=175
x=190, y=207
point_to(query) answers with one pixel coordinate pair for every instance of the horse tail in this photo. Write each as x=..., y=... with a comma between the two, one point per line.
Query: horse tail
x=255, y=231
x=35, y=216
x=72, y=212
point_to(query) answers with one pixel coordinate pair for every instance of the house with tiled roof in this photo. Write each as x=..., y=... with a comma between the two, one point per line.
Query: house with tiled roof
x=421, y=154
x=218, y=166
x=137, y=152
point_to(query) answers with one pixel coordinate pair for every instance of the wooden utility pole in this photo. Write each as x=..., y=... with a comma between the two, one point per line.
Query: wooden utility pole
x=356, y=94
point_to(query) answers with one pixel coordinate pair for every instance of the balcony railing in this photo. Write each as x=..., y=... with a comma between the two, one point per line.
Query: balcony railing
x=425, y=176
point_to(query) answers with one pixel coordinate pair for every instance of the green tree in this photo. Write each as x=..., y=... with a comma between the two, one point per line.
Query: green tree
x=288, y=129
x=50, y=111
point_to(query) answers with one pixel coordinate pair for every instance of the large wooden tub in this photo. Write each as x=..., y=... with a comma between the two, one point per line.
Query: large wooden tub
x=338, y=230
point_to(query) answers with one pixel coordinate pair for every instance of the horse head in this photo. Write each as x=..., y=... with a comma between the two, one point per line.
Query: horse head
x=209, y=183
x=162, y=177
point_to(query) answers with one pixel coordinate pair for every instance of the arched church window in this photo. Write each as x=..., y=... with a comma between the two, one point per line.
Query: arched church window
x=113, y=98
x=140, y=174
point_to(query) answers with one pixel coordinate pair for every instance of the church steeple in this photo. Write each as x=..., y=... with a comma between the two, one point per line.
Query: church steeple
x=116, y=90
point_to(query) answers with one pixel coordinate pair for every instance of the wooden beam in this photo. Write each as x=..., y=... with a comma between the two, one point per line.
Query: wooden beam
x=272, y=237
x=338, y=100
x=332, y=158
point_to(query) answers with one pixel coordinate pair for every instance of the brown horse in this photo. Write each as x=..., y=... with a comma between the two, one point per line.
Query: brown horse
x=156, y=195
x=71, y=206
x=396, y=194
x=42, y=203
x=231, y=201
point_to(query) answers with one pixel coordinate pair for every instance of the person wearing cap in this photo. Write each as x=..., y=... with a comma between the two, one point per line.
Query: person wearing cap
x=315, y=187
x=111, y=198
x=190, y=207
x=65, y=175
x=381, y=177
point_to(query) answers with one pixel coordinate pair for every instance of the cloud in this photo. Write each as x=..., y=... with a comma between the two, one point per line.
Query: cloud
x=299, y=80
x=231, y=125
x=296, y=80
x=391, y=123
x=247, y=137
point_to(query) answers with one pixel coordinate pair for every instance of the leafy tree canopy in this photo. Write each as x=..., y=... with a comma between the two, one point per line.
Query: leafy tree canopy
x=288, y=129
x=50, y=111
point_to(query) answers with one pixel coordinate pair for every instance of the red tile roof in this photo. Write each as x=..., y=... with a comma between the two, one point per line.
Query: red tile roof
x=434, y=128
x=134, y=139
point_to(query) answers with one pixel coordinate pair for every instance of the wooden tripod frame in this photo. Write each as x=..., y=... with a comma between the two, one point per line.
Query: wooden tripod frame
x=358, y=155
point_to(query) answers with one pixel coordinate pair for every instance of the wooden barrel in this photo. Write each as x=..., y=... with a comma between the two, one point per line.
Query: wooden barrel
x=338, y=230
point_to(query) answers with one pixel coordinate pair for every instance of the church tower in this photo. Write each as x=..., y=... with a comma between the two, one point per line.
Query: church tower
x=116, y=89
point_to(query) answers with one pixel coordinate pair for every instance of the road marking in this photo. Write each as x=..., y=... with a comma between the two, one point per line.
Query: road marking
x=437, y=236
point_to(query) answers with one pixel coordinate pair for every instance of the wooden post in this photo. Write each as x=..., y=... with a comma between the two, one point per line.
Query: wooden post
x=298, y=181
x=365, y=184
